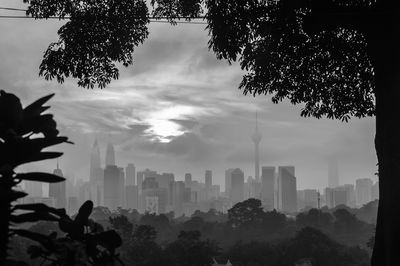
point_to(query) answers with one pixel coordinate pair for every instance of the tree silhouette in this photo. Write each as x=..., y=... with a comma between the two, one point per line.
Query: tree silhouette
x=339, y=58
x=245, y=213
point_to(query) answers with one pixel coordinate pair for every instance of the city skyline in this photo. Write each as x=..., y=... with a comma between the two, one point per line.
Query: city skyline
x=178, y=109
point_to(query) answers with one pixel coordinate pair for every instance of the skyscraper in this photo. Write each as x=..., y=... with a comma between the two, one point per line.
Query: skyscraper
x=112, y=187
x=363, y=191
x=188, y=180
x=110, y=155
x=130, y=173
x=237, y=189
x=208, y=179
x=268, y=186
x=228, y=179
x=256, y=137
x=287, y=191
x=58, y=190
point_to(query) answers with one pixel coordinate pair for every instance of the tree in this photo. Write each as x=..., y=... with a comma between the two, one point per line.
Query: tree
x=339, y=58
x=313, y=244
x=143, y=250
x=190, y=250
x=245, y=213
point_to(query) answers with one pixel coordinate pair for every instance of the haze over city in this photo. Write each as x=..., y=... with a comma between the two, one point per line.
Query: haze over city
x=178, y=110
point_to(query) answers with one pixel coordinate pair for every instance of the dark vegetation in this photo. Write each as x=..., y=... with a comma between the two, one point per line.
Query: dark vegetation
x=334, y=237
x=24, y=134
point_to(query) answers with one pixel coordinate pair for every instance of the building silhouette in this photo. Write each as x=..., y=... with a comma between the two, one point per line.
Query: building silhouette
x=228, y=179
x=268, y=187
x=188, y=180
x=237, y=190
x=130, y=172
x=112, y=187
x=363, y=191
x=110, y=155
x=57, y=191
x=287, y=191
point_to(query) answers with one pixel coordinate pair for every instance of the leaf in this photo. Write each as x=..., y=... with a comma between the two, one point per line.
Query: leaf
x=40, y=207
x=42, y=239
x=37, y=107
x=109, y=239
x=41, y=177
x=84, y=212
x=12, y=195
x=33, y=217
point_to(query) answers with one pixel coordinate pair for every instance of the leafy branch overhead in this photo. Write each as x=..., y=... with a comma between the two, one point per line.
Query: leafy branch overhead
x=333, y=76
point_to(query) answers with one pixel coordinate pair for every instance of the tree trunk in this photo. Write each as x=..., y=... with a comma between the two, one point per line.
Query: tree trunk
x=386, y=62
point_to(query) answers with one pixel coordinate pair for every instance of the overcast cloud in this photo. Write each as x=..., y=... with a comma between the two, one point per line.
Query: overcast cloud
x=178, y=109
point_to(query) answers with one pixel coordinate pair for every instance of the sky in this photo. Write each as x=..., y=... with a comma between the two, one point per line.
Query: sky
x=178, y=109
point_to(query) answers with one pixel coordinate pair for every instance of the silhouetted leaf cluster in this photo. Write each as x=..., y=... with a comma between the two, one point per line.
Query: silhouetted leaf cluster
x=85, y=242
x=97, y=35
x=25, y=133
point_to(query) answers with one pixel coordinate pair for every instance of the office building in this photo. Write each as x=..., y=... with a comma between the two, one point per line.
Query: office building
x=363, y=191
x=58, y=191
x=237, y=186
x=287, y=191
x=268, y=187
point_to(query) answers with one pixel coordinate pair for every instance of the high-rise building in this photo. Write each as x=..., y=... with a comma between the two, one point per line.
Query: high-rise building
x=34, y=189
x=228, y=179
x=310, y=198
x=110, y=155
x=333, y=173
x=287, y=191
x=341, y=196
x=237, y=189
x=58, y=190
x=208, y=179
x=188, y=180
x=363, y=191
x=256, y=137
x=112, y=187
x=268, y=187
x=179, y=195
x=130, y=173
x=350, y=194
x=132, y=197
x=330, y=197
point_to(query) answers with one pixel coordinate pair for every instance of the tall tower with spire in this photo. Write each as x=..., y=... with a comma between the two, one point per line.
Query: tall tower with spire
x=110, y=155
x=256, y=137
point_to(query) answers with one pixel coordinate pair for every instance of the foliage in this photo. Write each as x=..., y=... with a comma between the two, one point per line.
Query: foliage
x=122, y=225
x=97, y=35
x=143, y=250
x=85, y=242
x=190, y=250
x=245, y=213
x=311, y=243
x=24, y=134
